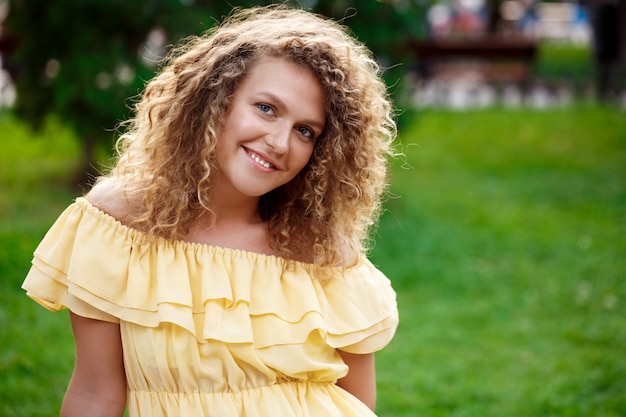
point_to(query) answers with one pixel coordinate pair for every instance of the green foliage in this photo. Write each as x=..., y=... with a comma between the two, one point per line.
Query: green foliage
x=83, y=59
x=505, y=241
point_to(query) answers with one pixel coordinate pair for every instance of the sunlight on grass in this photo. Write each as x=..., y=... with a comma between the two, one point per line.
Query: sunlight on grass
x=28, y=157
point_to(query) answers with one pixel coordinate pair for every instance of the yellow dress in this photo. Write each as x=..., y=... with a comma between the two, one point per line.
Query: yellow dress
x=209, y=331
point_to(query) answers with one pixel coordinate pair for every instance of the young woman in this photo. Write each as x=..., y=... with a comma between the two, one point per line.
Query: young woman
x=219, y=269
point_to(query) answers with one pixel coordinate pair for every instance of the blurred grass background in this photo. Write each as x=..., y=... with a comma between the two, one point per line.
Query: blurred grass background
x=504, y=237
x=559, y=62
x=506, y=244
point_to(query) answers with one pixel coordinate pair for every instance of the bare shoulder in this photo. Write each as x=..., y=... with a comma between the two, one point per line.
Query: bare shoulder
x=109, y=195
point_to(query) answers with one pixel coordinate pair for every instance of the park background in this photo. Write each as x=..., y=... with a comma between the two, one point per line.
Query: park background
x=504, y=230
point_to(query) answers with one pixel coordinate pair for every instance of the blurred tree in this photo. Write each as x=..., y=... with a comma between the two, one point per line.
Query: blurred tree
x=82, y=59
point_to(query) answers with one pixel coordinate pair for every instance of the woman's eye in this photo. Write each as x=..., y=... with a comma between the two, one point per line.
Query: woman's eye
x=306, y=132
x=265, y=108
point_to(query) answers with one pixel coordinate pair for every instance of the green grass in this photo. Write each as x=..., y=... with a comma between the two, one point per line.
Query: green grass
x=505, y=241
x=558, y=61
x=36, y=348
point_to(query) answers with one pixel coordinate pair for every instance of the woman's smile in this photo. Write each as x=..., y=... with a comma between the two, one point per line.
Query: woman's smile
x=260, y=160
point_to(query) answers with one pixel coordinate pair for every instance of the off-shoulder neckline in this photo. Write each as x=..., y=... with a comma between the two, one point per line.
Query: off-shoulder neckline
x=186, y=245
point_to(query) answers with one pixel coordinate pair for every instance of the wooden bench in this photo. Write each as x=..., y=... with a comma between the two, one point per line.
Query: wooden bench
x=490, y=58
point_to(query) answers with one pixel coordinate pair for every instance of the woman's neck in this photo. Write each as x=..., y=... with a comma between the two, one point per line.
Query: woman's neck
x=232, y=224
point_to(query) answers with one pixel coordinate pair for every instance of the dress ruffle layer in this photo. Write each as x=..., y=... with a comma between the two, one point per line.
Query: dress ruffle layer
x=92, y=264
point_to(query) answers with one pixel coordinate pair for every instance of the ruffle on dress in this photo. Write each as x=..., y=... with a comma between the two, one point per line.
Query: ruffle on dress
x=99, y=268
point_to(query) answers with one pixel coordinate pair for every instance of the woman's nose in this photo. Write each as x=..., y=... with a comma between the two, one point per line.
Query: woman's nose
x=278, y=138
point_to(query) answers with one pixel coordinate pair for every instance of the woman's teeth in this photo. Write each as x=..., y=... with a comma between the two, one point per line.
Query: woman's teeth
x=260, y=161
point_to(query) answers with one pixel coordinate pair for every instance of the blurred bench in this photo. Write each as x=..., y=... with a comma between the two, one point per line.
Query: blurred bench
x=492, y=59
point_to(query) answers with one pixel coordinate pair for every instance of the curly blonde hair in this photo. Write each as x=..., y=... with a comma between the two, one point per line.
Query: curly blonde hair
x=168, y=149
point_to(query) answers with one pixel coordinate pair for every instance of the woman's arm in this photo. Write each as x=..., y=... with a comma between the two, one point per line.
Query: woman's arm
x=361, y=378
x=98, y=384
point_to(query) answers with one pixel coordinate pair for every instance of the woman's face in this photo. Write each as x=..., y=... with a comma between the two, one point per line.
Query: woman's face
x=275, y=116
